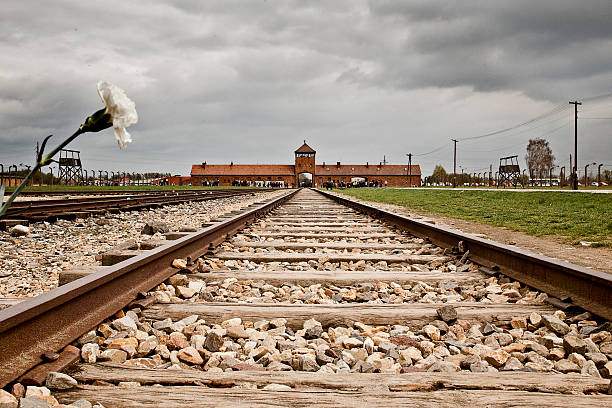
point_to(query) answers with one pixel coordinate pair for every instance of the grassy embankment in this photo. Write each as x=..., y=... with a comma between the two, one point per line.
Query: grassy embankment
x=573, y=217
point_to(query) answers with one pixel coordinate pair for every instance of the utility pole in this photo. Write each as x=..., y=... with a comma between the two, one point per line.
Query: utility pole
x=575, y=184
x=384, y=160
x=455, y=164
x=571, y=169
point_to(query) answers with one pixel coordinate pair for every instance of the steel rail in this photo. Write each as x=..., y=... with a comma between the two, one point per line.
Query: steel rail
x=42, y=207
x=110, y=197
x=584, y=287
x=130, y=191
x=53, y=319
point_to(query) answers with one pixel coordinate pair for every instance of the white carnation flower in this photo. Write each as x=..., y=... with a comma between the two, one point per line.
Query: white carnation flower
x=121, y=109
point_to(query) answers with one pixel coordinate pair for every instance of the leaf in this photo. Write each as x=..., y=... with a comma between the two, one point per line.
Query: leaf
x=42, y=149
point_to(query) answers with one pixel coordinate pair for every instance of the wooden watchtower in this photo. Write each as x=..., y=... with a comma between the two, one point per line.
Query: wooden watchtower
x=70, y=168
x=509, y=171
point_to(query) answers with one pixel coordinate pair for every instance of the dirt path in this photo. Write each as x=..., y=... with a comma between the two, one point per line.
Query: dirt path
x=594, y=258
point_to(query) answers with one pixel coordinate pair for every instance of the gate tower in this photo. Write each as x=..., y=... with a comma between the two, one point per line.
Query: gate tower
x=305, y=162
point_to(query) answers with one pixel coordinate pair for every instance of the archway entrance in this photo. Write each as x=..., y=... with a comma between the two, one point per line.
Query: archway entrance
x=359, y=181
x=305, y=179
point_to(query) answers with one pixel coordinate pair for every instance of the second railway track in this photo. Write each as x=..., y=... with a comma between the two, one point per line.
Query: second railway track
x=318, y=304
x=80, y=207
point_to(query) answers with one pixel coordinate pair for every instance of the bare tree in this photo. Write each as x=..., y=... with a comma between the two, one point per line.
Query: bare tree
x=539, y=158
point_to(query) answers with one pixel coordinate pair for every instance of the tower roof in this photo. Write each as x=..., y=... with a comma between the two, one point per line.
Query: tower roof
x=305, y=149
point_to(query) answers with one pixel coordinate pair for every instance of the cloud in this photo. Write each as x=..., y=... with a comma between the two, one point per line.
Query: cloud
x=249, y=80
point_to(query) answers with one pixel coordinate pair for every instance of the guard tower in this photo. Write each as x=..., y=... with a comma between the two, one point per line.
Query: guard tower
x=305, y=162
x=70, y=169
x=509, y=171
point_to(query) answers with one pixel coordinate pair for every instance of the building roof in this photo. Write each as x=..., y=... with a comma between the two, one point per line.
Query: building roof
x=305, y=149
x=332, y=170
x=371, y=170
x=242, y=170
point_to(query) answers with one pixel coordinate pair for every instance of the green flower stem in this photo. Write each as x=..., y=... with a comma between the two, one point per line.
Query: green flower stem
x=24, y=183
x=47, y=159
x=100, y=120
x=43, y=162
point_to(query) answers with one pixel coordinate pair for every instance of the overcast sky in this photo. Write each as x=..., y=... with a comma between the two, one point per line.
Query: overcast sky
x=248, y=81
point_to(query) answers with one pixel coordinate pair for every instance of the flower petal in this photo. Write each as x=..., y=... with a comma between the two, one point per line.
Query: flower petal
x=122, y=136
x=121, y=108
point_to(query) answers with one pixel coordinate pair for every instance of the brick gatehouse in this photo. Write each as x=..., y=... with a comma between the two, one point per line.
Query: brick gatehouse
x=287, y=175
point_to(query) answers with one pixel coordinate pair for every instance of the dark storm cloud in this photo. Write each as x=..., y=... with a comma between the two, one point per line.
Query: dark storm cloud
x=248, y=80
x=495, y=45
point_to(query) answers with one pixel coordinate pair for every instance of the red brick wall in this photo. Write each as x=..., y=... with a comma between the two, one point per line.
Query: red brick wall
x=304, y=165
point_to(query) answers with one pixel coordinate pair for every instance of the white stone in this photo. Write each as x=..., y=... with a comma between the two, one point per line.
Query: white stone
x=7, y=400
x=368, y=345
x=90, y=352
x=19, y=230
x=590, y=368
x=37, y=392
x=125, y=324
x=236, y=321
x=60, y=381
x=432, y=332
x=352, y=342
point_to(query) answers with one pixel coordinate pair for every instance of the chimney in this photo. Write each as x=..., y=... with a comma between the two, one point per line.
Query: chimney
x=367, y=164
x=338, y=164
x=323, y=164
x=204, y=165
x=380, y=163
x=232, y=163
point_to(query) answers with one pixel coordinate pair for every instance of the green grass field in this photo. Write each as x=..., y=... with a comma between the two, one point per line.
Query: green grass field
x=573, y=217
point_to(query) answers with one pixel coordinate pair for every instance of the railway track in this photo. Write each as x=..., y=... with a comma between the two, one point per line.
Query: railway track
x=103, y=192
x=306, y=300
x=80, y=207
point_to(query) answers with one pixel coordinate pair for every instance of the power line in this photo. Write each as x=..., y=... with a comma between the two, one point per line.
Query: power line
x=516, y=144
x=530, y=129
x=594, y=98
x=444, y=146
x=557, y=109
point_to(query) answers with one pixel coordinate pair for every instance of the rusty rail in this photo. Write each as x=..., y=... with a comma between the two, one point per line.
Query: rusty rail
x=55, y=207
x=52, y=320
x=587, y=288
x=127, y=190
